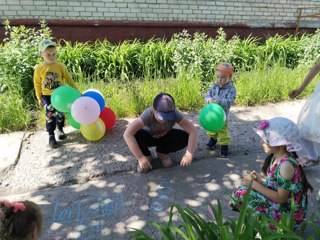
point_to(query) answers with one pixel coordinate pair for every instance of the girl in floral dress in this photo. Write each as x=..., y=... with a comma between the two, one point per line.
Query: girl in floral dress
x=284, y=175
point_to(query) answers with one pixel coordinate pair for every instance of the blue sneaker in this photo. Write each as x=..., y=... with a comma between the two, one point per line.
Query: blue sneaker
x=212, y=143
x=224, y=151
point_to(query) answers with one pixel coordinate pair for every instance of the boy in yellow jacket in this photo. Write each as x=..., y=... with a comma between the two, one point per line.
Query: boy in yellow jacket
x=48, y=76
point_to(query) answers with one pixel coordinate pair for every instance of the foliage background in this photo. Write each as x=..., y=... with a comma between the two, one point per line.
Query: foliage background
x=131, y=73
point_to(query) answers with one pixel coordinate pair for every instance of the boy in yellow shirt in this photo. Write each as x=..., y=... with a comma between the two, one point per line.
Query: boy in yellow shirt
x=48, y=76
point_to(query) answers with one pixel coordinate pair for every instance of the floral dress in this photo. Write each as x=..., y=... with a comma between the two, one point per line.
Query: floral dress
x=263, y=205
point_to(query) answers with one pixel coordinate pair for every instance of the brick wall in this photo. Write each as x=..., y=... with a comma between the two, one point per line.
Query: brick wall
x=252, y=13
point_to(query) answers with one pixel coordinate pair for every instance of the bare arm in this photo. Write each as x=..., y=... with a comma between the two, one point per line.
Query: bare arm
x=38, y=87
x=312, y=73
x=192, y=141
x=280, y=196
x=131, y=141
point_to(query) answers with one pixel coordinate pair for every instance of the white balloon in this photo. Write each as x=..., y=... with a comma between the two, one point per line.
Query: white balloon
x=85, y=110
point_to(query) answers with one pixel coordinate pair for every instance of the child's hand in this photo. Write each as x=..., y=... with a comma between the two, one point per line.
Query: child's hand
x=40, y=103
x=186, y=160
x=213, y=101
x=256, y=177
x=247, y=178
x=294, y=93
x=144, y=163
x=253, y=174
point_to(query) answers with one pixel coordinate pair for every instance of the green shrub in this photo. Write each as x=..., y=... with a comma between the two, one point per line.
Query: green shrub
x=19, y=54
x=191, y=226
x=310, y=49
x=15, y=116
x=183, y=66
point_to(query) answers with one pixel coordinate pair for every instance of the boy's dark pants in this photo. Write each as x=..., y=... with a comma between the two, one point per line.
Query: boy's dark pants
x=173, y=141
x=53, y=117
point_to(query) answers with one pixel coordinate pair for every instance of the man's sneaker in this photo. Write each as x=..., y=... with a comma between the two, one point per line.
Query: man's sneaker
x=224, y=151
x=60, y=134
x=164, y=159
x=212, y=143
x=52, y=141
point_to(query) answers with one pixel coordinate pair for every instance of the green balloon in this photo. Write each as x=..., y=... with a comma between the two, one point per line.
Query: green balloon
x=212, y=117
x=73, y=122
x=63, y=97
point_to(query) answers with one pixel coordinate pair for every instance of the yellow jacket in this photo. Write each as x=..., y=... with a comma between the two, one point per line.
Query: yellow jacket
x=48, y=77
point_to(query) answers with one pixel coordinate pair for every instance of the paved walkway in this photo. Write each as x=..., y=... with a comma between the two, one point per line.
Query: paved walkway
x=91, y=191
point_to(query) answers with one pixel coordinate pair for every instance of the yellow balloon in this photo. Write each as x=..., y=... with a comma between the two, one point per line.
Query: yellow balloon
x=93, y=131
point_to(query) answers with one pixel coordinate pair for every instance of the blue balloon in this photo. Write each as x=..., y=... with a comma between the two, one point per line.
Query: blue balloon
x=96, y=96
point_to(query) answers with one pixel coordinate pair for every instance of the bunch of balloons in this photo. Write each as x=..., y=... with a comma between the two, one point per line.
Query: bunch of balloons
x=212, y=117
x=86, y=112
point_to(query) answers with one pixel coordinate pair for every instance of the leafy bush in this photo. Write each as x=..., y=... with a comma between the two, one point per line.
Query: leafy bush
x=191, y=226
x=186, y=59
x=14, y=115
x=310, y=45
x=280, y=50
x=19, y=54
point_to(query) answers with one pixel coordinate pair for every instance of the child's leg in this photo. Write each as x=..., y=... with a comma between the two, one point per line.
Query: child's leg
x=310, y=148
x=145, y=141
x=50, y=115
x=212, y=143
x=50, y=120
x=213, y=135
x=224, y=140
x=173, y=141
x=223, y=135
x=60, y=120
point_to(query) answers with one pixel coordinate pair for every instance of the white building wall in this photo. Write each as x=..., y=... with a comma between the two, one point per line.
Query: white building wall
x=253, y=13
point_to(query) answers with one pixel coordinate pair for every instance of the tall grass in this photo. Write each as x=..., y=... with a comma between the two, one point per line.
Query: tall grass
x=131, y=98
x=19, y=54
x=268, y=85
x=131, y=73
x=14, y=113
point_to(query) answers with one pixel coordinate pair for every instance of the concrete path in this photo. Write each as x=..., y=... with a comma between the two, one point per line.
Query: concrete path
x=91, y=190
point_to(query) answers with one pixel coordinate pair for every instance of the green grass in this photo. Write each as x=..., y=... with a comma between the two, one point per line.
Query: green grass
x=269, y=85
x=131, y=73
x=129, y=99
x=14, y=114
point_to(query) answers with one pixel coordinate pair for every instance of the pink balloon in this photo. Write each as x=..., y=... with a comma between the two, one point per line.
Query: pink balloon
x=108, y=117
x=85, y=110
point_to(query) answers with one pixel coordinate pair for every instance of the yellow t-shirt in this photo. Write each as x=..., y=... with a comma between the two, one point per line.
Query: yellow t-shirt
x=48, y=77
